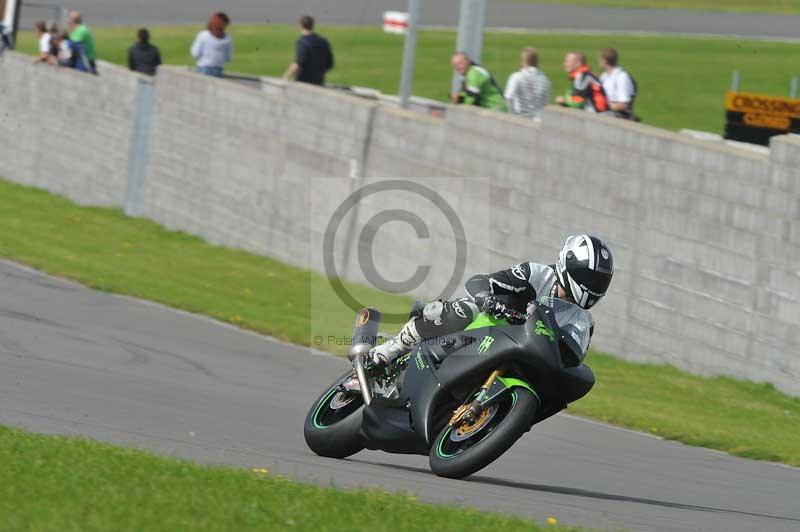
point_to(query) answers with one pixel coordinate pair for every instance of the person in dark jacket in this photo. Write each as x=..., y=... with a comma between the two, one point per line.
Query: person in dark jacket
x=313, y=56
x=144, y=57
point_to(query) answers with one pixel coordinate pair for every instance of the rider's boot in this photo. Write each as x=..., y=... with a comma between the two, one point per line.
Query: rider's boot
x=383, y=355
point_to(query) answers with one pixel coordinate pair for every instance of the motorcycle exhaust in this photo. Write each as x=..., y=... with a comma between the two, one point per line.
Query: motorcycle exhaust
x=363, y=382
x=365, y=337
x=365, y=332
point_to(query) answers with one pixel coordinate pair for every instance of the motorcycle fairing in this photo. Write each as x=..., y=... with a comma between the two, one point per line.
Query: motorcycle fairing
x=408, y=424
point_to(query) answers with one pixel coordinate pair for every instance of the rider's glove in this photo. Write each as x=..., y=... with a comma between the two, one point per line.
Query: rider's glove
x=515, y=317
x=491, y=305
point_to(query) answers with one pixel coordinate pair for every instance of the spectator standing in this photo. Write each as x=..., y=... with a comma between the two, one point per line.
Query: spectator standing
x=82, y=40
x=478, y=86
x=528, y=89
x=213, y=47
x=587, y=91
x=45, y=43
x=313, y=55
x=619, y=86
x=142, y=56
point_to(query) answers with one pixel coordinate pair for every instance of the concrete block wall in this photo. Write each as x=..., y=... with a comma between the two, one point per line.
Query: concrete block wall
x=706, y=236
x=688, y=223
x=66, y=131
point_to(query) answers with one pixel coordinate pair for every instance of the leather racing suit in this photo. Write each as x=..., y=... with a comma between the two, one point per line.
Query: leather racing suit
x=506, y=291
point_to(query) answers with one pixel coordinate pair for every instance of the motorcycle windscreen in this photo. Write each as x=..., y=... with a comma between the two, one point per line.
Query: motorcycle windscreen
x=575, y=323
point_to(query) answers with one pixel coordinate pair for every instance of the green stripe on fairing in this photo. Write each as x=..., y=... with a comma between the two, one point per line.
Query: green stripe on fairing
x=439, y=450
x=485, y=320
x=319, y=407
x=510, y=382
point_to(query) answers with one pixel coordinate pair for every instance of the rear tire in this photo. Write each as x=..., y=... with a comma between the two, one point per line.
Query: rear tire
x=458, y=459
x=335, y=432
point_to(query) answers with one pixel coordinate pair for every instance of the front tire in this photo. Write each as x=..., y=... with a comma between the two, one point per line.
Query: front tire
x=455, y=456
x=333, y=425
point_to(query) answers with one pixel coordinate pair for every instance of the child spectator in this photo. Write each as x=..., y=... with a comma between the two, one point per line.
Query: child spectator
x=52, y=29
x=70, y=54
x=212, y=47
x=587, y=91
x=62, y=49
x=45, y=42
x=143, y=57
x=528, y=89
x=619, y=86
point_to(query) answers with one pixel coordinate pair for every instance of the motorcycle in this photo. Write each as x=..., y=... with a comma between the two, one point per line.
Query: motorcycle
x=461, y=399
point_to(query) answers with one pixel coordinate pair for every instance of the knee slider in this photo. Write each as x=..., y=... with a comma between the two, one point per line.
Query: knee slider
x=434, y=311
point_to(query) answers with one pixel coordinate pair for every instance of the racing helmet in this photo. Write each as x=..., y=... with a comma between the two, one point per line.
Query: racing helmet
x=584, y=268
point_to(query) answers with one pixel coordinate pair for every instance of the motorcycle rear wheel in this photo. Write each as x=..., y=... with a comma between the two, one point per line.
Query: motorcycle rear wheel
x=455, y=456
x=333, y=425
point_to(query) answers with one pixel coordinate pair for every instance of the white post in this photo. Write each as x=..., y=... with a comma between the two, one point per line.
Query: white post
x=409, y=52
x=10, y=19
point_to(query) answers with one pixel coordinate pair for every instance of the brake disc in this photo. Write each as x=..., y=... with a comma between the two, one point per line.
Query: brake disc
x=467, y=430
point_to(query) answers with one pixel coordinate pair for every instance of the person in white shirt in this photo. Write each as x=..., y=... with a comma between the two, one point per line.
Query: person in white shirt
x=212, y=48
x=528, y=90
x=45, y=41
x=618, y=85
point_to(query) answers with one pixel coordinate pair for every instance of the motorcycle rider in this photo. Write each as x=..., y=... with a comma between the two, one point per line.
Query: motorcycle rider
x=581, y=275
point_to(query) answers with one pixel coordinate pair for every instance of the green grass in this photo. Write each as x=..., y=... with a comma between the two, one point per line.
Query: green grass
x=66, y=484
x=106, y=250
x=682, y=81
x=747, y=419
x=785, y=7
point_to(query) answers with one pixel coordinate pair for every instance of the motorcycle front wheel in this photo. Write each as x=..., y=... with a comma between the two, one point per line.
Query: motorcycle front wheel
x=332, y=427
x=459, y=451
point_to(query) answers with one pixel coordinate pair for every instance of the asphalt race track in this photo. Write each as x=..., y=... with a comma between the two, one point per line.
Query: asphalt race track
x=434, y=12
x=75, y=361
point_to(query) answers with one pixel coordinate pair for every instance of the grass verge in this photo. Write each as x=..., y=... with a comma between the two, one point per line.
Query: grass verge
x=104, y=249
x=682, y=81
x=94, y=486
x=782, y=7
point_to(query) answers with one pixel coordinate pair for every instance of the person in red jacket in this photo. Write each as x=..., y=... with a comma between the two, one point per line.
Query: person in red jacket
x=587, y=91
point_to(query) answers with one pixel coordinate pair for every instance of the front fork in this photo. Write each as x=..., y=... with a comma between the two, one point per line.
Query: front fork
x=489, y=392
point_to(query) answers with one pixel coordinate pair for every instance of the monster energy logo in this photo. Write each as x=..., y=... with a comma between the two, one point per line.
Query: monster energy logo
x=486, y=343
x=418, y=359
x=544, y=330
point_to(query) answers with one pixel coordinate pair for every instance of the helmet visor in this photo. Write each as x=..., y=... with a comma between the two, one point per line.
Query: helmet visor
x=594, y=282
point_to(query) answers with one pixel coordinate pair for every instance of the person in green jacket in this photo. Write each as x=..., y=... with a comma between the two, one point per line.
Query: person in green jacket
x=79, y=33
x=478, y=86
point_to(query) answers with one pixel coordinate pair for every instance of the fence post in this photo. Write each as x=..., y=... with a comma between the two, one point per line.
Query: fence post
x=139, y=155
x=471, y=22
x=735, y=81
x=793, y=89
x=409, y=52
